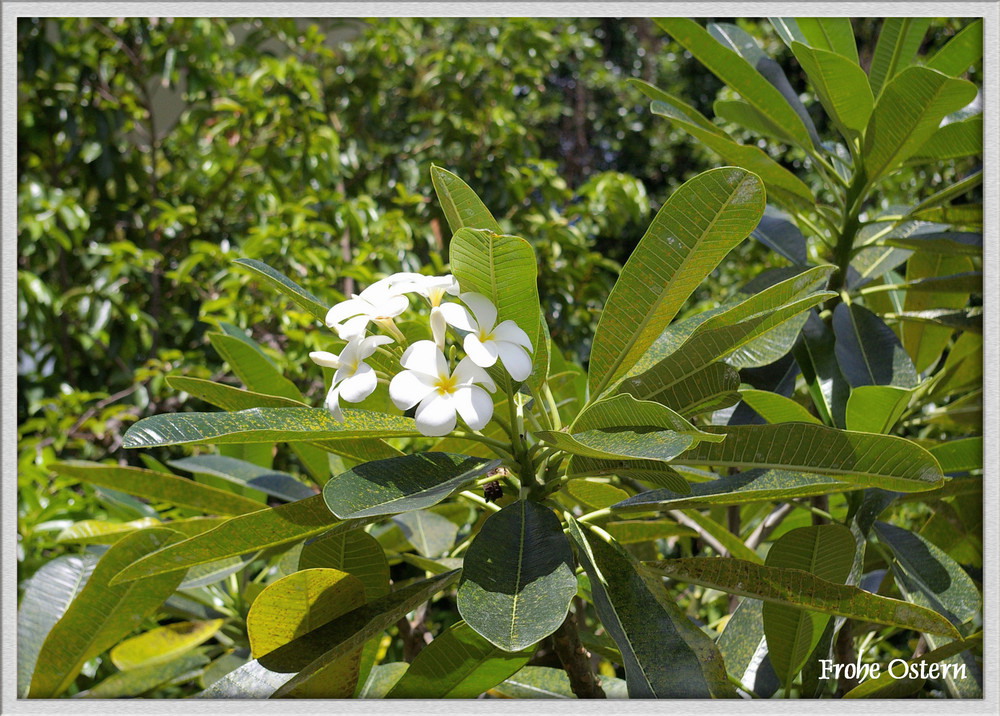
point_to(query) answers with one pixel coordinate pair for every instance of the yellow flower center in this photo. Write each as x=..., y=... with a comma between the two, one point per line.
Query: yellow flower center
x=446, y=385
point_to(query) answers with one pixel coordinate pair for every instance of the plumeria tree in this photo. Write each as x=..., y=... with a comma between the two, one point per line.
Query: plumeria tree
x=543, y=512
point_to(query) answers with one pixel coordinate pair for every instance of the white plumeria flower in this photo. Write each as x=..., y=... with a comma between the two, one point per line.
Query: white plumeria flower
x=380, y=303
x=426, y=381
x=486, y=342
x=433, y=288
x=354, y=380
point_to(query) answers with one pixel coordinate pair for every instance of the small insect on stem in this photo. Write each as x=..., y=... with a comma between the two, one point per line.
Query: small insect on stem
x=492, y=490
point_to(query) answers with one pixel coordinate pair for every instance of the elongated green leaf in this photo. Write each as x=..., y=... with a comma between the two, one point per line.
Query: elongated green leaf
x=431, y=534
x=712, y=388
x=638, y=531
x=503, y=269
x=867, y=350
x=158, y=486
x=961, y=52
x=927, y=576
x=925, y=343
x=834, y=34
x=250, y=364
x=625, y=411
x=898, y=681
x=907, y=113
x=959, y=455
x=295, y=605
x=594, y=495
x=412, y=482
x=757, y=485
x=271, y=482
x=737, y=73
x=138, y=681
x=797, y=588
x=841, y=87
x=970, y=215
x=102, y=532
x=874, y=261
x=163, y=643
x=953, y=140
x=816, y=358
x=250, y=681
x=777, y=232
x=825, y=552
x=897, y=43
x=748, y=117
x=876, y=408
x=775, y=408
x=744, y=649
x=546, y=682
x=264, y=425
x=648, y=471
x=213, y=572
x=355, y=552
x=732, y=543
x=311, y=652
x=864, y=459
x=782, y=186
x=462, y=208
x=259, y=530
x=641, y=444
x=101, y=614
x=301, y=297
x=693, y=231
x=968, y=243
x=229, y=397
x=381, y=680
x=517, y=582
x=664, y=654
x=47, y=594
x=458, y=664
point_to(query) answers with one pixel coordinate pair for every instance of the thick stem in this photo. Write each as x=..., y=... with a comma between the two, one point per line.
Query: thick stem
x=576, y=660
x=844, y=654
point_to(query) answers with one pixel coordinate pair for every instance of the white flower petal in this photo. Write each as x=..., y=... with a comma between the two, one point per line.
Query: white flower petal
x=369, y=344
x=482, y=308
x=325, y=359
x=425, y=357
x=332, y=403
x=353, y=328
x=408, y=388
x=458, y=317
x=391, y=307
x=344, y=310
x=474, y=405
x=360, y=385
x=483, y=354
x=515, y=360
x=439, y=327
x=467, y=373
x=512, y=333
x=435, y=416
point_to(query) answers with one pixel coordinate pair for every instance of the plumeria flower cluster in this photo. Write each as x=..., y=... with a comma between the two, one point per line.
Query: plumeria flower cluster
x=439, y=392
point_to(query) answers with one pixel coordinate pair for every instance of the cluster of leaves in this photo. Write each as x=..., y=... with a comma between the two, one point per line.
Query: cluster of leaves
x=796, y=429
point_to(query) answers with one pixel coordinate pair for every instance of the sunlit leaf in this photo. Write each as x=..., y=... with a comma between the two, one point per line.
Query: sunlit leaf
x=163, y=643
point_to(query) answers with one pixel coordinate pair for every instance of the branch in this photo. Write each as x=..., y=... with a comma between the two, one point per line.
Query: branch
x=576, y=660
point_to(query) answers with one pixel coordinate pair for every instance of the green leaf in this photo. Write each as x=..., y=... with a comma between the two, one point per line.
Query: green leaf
x=778, y=233
x=737, y=73
x=834, y=34
x=692, y=232
x=643, y=444
x=310, y=653
x=876, y=408
x=138, y=681
x=959, y=455
x=431, y=534
x=639, y=531
x=355, y=552
x=782, y=186
x=798, y=588
x=250, y=681
x=956, y=215
x=961, y=52
x=714, y=387
x=462, y=208
x=928, y=577
x=546, y=682
x=458, y=664
x=381, y=680
x=293, y=606
x=888, y=685
x=953, y=140
x=594, y=495
x=744, y=649
x=240, y=472
x=757, y=485
x=825, y=552
x=229, y=397
x=101, y=614
x=301, y=297
x=648, y=471
x=867, y=350
x=255, y=369
x=863, y=459
x=968, y=243
x=517, y=582
x=259, y=530
x=664, y=654
x=897, y=43
x=158, y=487
x=264, y=425
x=775, y=408
x=925, y=343
x=731, y=542
x=163, y=643
x=411, y=482
x=816, y=357
x=623, y=410
x=101, y=532
x=47, y=594
x=841, y=87
x=907, y=113
x=502, y=268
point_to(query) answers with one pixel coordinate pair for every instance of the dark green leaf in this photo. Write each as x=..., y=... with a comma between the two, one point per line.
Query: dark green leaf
x=648, y=471
x=867, y=350
x=302, y=298
x=430, y=534
x=816, y=358
x=778, y=233
x=959, y=455
x=355, y=552
x=270, y=482
x=136, y=682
